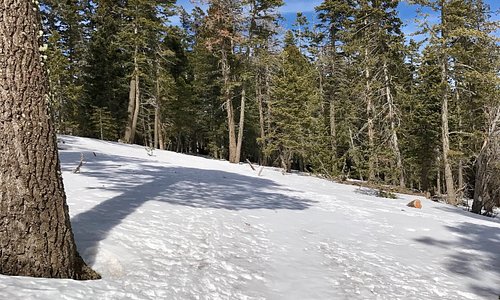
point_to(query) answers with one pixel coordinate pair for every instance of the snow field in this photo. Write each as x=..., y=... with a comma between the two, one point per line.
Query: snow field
x=171, y=226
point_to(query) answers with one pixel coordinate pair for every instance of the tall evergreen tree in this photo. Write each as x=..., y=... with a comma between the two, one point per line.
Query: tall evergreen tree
x=65, y=38
x=295, y=114
x=223, y=26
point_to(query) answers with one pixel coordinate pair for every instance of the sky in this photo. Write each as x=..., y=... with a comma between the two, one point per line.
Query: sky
x=407, y=12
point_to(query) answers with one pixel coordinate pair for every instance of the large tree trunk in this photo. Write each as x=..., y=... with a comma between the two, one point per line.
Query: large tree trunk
x=445, y=134
x=133, y=101
x=229, y=107
x=137, y=107
x=448, y=175
x=35, y=230
x=161, y=135
x=130, y=111
x=241, y=126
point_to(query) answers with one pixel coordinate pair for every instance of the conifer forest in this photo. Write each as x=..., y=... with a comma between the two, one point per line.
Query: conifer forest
x=346, y=95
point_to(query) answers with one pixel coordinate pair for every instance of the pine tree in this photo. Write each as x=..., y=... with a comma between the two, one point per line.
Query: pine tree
x=335, y=17
x=140, y=39
x=223, y=31
x=105, y=74
x=295, y=109
x=262, y=30
x=64, y=36
x=372, y=43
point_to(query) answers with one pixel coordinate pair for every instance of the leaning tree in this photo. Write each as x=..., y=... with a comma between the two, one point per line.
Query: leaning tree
x=35, y=231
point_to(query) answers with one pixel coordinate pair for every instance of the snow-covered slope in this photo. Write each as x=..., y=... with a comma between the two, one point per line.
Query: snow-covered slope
x=171, y=226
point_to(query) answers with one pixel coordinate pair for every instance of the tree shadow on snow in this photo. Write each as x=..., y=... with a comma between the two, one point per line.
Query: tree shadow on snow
x=140, y=180
x=475, y=249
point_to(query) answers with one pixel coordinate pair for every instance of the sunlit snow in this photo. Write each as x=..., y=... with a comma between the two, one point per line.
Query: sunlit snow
x=172, y=226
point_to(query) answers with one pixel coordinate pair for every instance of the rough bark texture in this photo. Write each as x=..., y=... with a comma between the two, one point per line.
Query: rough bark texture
x=35, y=230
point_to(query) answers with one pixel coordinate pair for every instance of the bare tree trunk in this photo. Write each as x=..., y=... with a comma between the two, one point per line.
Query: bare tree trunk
x=333, y=131
x=445, y=134
x=268, y=102
x=394, y=135
x=448, y=175
x=161, y=132
x=137, y=106
x=134, y=100
x=333, y=123
x=370, y=115
x=261, y=121
x=438, y=181
x=461, y=186
x=130, y=111
x=156, y=128
x=483, y=161
x=229, y=107
x=157, y=107
x=35, y=231
x=100, y=124
x=241, y=126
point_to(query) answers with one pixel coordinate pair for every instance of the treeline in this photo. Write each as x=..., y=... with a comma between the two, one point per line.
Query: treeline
x=350, y=97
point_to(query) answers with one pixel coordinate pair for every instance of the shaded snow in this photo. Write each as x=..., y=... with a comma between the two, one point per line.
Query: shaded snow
x=172, y=226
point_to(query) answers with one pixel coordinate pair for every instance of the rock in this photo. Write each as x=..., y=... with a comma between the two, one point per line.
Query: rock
x=415, y=203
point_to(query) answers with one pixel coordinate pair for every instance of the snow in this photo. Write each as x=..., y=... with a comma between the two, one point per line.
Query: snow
x=172, y=226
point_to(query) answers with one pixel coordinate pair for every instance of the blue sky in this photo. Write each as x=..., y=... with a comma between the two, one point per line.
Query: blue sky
x=407, y=12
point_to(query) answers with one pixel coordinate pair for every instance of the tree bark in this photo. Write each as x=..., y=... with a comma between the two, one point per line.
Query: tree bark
x=134, y=100
x=35, y=231
x=333, y=131
x=157, y=107
x=461, y=186
x=161, y=140
x=438, y=179
x=260, y=100
x=241, y=126
x=394, y=135
x=229, y=107
x=137, y=107
x=445, y=135
x=130, y=111
x=156, y=128
x=370, y=116
x=333, y=123
x=482, y=164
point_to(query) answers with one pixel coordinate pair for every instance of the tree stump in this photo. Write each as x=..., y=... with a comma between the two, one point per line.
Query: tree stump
x=415, y=204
